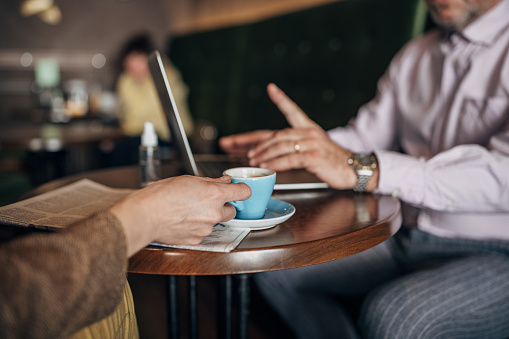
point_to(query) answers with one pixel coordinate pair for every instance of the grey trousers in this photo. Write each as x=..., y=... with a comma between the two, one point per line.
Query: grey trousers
x=414, y=285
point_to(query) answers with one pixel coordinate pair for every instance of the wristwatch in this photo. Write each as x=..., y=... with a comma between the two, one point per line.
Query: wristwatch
x=364, y=165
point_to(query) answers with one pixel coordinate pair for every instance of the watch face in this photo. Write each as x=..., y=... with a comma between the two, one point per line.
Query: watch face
x=364, y=159
x=364, y=165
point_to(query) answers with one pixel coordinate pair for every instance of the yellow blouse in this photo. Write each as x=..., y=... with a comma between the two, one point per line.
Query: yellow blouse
x=139, y=102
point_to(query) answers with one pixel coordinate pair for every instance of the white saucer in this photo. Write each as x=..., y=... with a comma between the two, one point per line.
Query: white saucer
x=277, y=211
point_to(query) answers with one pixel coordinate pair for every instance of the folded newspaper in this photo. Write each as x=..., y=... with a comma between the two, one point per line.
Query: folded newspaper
x=59, y=208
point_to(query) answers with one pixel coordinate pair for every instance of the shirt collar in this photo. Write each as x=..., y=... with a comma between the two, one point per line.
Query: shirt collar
x=486, y=29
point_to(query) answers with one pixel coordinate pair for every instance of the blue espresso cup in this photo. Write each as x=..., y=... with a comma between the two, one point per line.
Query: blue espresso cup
x=261, y=181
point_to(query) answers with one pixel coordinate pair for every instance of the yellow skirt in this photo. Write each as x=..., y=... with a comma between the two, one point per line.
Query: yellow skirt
x=120, y=324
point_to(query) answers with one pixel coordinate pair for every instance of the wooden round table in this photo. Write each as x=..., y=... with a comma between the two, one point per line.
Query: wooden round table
x=327, y=225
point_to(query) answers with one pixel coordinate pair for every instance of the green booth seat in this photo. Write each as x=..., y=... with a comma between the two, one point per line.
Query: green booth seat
x=328, y=59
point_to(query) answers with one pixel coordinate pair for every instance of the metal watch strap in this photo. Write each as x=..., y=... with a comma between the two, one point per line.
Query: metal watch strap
x=362, y=182
x=364, y=165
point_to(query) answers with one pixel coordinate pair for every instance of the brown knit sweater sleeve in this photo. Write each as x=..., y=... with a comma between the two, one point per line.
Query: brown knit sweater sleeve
x=53, y=284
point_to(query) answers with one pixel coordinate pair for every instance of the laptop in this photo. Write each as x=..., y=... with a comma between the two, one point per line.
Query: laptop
x=212, y=165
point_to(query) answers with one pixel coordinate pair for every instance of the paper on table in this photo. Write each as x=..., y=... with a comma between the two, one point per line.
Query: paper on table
x=61, y=207
x=222, y=239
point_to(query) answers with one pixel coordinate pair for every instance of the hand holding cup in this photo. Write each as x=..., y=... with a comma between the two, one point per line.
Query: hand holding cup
x=261, y=181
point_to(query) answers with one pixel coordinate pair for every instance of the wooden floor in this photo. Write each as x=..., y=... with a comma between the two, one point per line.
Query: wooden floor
x=150, y=299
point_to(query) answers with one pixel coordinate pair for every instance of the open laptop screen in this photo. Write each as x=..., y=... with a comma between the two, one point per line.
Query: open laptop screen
x=288, y=180
x=157, y=69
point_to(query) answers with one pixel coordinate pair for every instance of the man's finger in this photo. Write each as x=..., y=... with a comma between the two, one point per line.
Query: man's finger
x=292, y=112
x=285, y=135
x=244, y=140
x=286, y=162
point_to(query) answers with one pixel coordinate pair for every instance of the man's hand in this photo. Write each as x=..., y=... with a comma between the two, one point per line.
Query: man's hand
x=240, y=144
x=305, y=145
x=178, y=210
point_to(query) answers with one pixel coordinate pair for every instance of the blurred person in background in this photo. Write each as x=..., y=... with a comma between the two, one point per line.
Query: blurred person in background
x=138, y=100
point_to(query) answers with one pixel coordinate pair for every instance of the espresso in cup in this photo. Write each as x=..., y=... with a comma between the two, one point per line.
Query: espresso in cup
x=261, y=181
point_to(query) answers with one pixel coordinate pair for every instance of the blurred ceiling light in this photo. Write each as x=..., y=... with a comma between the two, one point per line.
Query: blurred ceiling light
x=52, y=15
x=98, y=61
x=45, y=9
x=26, y=59
x=31, y=7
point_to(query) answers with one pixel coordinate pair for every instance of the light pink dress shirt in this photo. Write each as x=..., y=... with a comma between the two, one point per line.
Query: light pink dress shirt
x=444, y=102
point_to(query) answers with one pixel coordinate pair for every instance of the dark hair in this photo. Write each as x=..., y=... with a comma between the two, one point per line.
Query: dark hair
x=139, y=43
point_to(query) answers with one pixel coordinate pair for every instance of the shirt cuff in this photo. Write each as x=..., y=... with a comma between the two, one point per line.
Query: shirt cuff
x=401, y=176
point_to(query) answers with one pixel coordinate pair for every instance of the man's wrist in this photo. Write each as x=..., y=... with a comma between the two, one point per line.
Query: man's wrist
x=373, y=181
x=364, y=166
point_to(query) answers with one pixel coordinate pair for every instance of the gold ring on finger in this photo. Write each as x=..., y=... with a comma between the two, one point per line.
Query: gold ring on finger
x=297, y=147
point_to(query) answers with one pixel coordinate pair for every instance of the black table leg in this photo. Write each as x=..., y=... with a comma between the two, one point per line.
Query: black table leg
x=244, y=300
x=173, y=306
x=193, y=309
x=225, y=303
x=225, y=307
